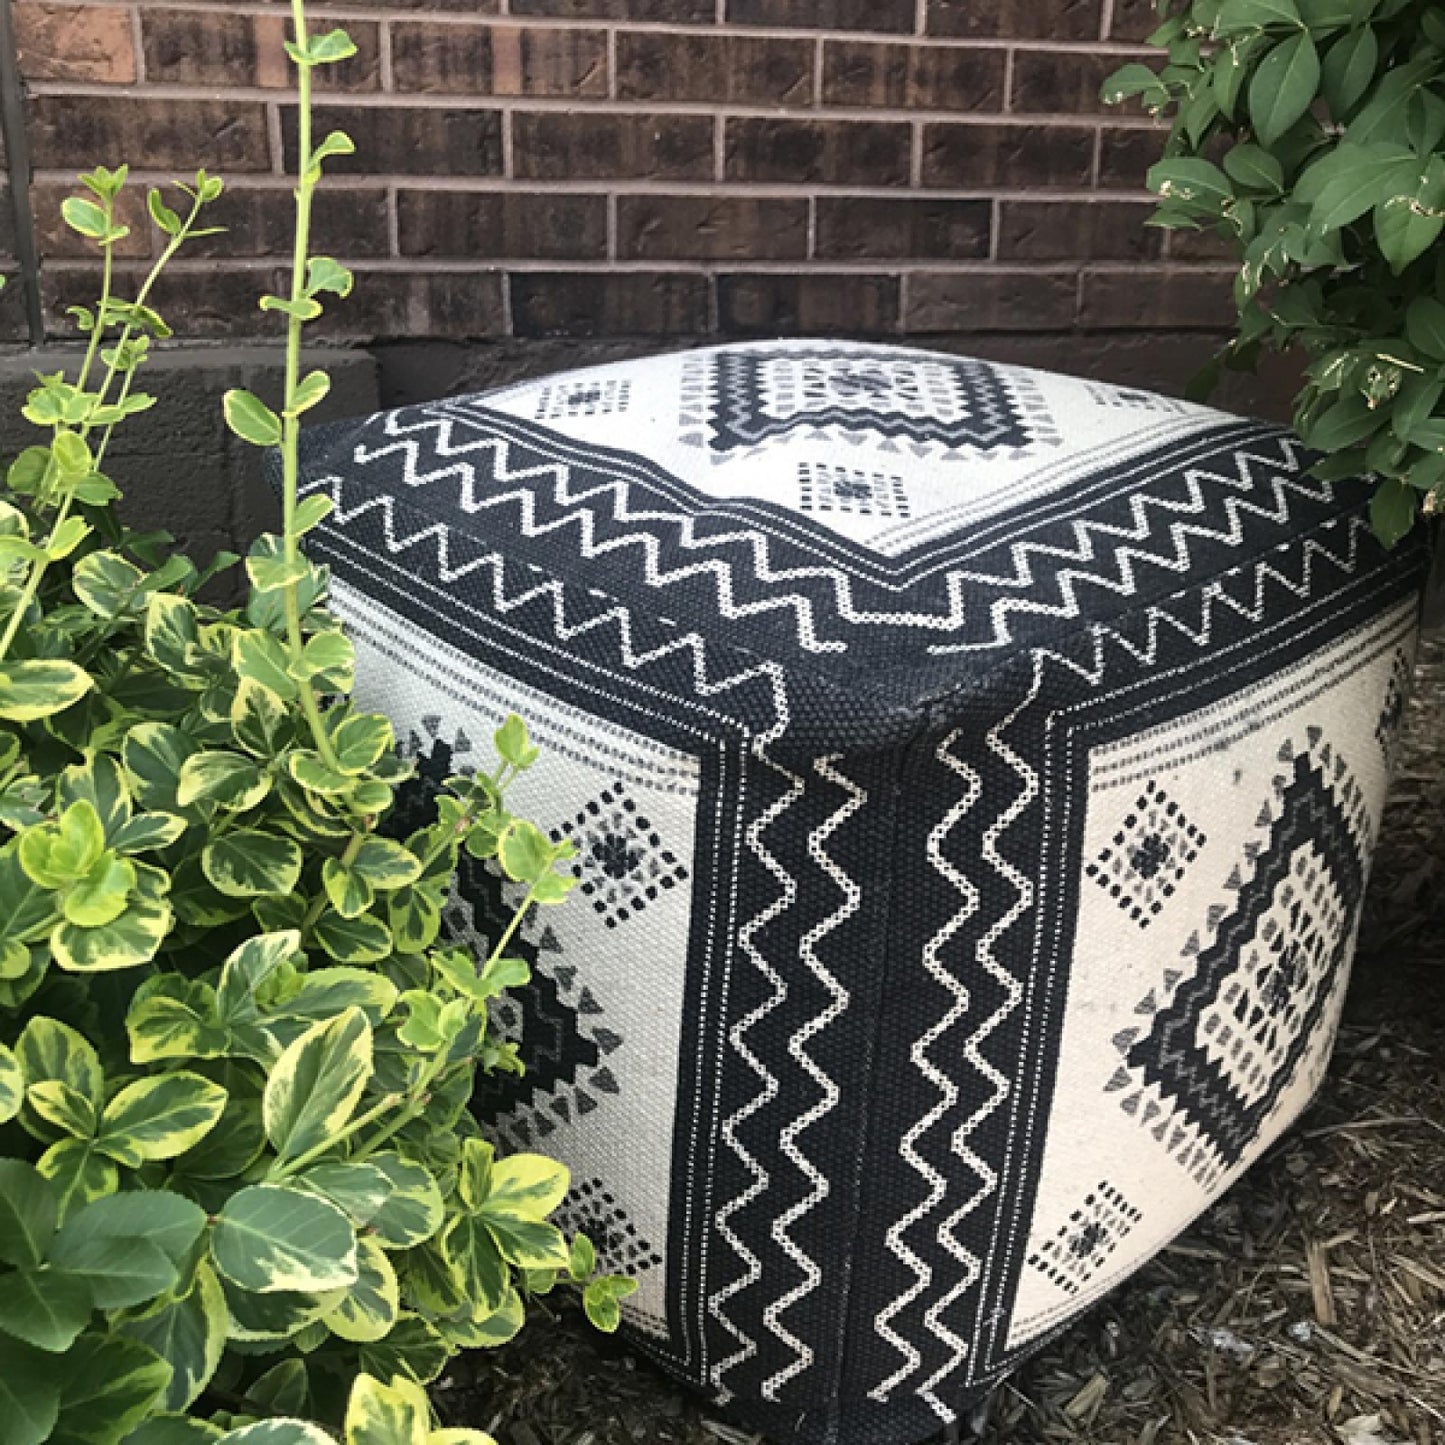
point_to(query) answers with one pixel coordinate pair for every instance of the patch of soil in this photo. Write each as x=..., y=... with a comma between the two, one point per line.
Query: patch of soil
x=1307, y=1306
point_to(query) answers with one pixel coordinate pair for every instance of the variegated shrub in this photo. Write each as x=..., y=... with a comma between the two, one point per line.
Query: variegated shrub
x=241, y=1189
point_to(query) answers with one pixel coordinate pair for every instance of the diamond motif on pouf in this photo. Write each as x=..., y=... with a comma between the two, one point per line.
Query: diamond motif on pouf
x=975, y=773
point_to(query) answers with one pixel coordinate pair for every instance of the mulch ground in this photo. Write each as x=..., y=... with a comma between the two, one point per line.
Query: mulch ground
x=1307, y=1306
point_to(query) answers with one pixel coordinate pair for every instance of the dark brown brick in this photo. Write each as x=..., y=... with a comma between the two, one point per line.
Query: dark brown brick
x=407, y=140
x=80, y=131
x=1206, y=245
x=548, y=61
x=13, y=323
x=711, y=228
x=994, y=300
x=347, y=222
x=212, y=304
x=1047, y=82
x=1199, y=300
x=853, y=228
x=912, y=77
x=456, y=305
x=617, y=303
x=223, y=48
x=1126, y=155
x=70, y=42
x=1017, y=19
x=1087, y=230
x=1134, y=20
x=428, y=58
x=746, y=69
x=757, y=304
x=468, y=7
x=558, y=145
x=880, y=15
x=679, y=12
x=533, y=224
x=1016, y=156
x=55, y=239
x=441, y=59
x=826, y=152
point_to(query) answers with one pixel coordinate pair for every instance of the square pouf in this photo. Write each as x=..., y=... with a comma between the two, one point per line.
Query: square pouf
x=974, y=773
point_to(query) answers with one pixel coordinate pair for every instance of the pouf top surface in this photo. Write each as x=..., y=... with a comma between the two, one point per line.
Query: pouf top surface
x=894, y=519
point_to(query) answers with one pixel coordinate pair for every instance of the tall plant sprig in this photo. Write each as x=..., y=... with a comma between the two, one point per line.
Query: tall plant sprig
x=249, y=417
x=66, y=471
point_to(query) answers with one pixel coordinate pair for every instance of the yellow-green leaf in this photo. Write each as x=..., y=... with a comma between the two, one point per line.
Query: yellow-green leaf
x=316, y=1084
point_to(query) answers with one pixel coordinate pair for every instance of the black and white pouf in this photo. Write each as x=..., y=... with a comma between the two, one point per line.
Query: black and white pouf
x=975, y=774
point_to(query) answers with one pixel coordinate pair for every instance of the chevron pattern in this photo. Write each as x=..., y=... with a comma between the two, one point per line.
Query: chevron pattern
x=895, y=715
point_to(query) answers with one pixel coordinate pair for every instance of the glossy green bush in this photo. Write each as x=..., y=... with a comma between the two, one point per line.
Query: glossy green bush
x=1311, y=133
x=241, y=1191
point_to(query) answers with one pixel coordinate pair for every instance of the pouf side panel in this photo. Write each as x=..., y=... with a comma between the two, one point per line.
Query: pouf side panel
x=768, y=1128
x=959, y=1172
x=1225, y=858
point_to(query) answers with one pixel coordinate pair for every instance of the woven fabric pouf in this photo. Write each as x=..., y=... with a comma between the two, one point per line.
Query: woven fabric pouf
x=974, y=773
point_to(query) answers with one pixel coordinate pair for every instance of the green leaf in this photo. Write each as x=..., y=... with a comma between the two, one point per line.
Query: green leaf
x=336, y=143
x=62, y=1106
x=100, y=897
x=488, y=1329
x=49, y=1049
x=394, y=1414
x=171, y=632
x=112, y=1384
x=258, y=718
x=1255, y=167
x=189, y=1334
x=261, y=657
x=600, y=1301
x=350, y=894
x=251, y=864
x=63, y=852
x=471, y=1250
x=1392, y=510
x=1348, y=70
x=526, y=1186
x=128, y=941
x=12, y=1087
x=414, y=1348
x=28, y=1215
x=248, y=967
x=526, y=852
x=1408, y=223
x=1284, y=87
x=413, y=1211
x=165, y=218
x=1348, y=421
x=174, y=1430
x=1349, y=182
x=386, y=865
x=324, y=274
x=38, y=688
x=277, y=1432
x=1193, y=181
x=251, y=419
x=311, y=389
x=154, y=754
x=118, y=1273
x=361, y=740
x=270, y=569
x=78, y=1173
x=29, y=1393
x=269, y=1239
x=167, y=1220
x=148, y=832
x=1425, y=326
x=352, y=940
x=315, y=1086
x=84, y=217
x=159, y=1117
x=229, y=780
x=358, y=1190
x=372, y=1304
x=46, y=1308
x=1235, y=15
x=529, y=1244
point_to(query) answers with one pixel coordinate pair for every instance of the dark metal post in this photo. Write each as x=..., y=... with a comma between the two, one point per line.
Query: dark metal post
x=17, y=155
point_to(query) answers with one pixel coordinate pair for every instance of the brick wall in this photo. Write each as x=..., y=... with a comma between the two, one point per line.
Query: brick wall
x=643, y=168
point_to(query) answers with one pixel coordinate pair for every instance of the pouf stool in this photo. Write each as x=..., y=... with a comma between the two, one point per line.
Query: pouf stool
x=975, y=773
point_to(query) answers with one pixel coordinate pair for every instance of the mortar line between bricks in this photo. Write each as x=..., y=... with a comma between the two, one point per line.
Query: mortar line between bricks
x=137, y=40
x=684, y=266
x=371, y=13
x=689, y=189
x=596, y=106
